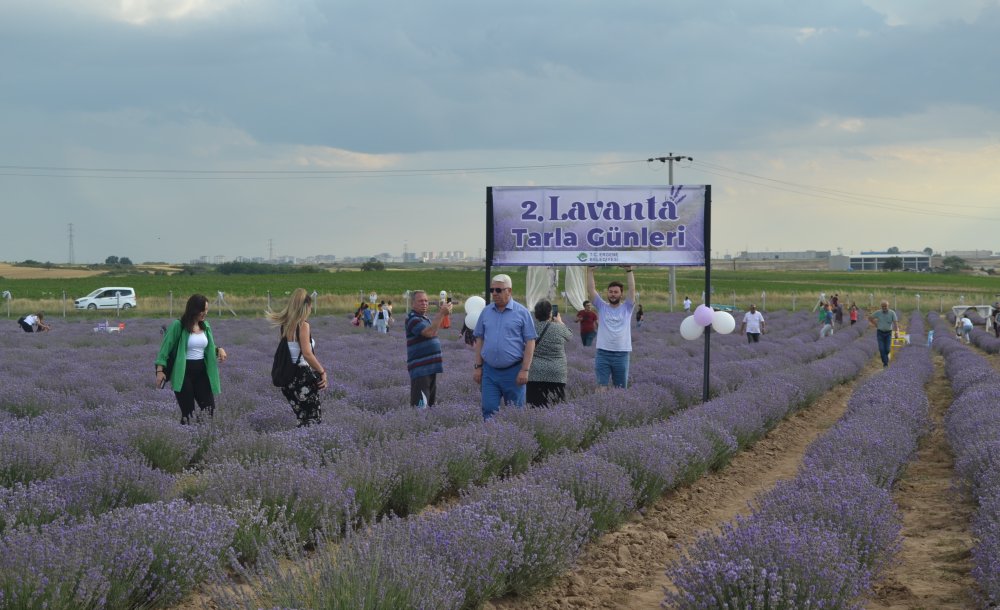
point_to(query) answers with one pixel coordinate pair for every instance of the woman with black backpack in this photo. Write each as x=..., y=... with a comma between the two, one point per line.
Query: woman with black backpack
x=302, y=392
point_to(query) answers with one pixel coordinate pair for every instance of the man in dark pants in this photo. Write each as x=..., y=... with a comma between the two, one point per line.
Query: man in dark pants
x=886, y=326
x=423, y=349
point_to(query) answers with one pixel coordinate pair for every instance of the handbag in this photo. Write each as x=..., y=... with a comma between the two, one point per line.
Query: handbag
x=282, y=368
x=168, y=368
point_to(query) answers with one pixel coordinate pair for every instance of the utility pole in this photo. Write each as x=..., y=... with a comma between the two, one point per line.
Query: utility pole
x=669, y=160
x=72, y=256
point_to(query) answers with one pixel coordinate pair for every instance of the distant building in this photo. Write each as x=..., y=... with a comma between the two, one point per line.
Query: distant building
x=969, y=253
x=805, y=255
x=875, y=261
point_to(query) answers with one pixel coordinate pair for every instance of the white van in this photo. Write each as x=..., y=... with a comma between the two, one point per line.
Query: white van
x=112, y=297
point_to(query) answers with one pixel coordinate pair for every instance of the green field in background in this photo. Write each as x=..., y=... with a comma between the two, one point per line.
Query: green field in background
x=652, y=284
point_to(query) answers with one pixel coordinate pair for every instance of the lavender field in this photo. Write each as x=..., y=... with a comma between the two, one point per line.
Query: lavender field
x=106, y=501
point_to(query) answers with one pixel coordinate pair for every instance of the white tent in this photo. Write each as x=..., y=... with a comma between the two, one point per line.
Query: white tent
x=984, y=311
x=543, y=283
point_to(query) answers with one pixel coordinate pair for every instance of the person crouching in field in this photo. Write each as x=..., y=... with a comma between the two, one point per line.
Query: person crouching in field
x=194, y=377
x=302, y=392
x=34, y=323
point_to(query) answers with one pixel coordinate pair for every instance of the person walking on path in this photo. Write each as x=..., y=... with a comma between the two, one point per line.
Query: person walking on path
x=886, y=326
x=614, y=335
x=189, y=345
x=423, y=349
x=505, y=344
x=753, y=324
x=548, y=374
x=302, y=393
x=638, y=316
x=687, y=305
x=826, y=319
x=34, y=323
x=588, y=324
x=853, y=310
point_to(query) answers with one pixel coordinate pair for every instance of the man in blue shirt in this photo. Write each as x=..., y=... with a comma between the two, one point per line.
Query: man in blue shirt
x=505, y=342
x=423, y=350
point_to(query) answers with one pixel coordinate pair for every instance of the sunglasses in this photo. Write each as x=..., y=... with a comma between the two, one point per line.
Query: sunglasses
x=497, y=290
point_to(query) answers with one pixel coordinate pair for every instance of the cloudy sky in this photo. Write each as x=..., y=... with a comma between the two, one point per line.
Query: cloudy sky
x=173, y=129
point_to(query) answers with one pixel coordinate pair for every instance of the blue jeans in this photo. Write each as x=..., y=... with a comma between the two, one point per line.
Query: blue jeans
x=501, y=384
x=884, y=343
x=612, y=367
x=588, y=338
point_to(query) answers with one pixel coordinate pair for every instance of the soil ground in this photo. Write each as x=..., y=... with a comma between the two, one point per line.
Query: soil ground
x=626, y=569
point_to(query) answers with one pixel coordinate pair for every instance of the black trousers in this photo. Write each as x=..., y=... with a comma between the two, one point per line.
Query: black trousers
x=423, y=389
x=196, y=388
x=544, y=393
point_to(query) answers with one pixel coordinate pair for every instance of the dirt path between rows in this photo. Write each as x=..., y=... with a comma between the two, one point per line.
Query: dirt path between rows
x=934, y=564
x=625, y=569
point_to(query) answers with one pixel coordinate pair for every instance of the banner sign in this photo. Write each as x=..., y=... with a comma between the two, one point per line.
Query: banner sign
x=597, y=225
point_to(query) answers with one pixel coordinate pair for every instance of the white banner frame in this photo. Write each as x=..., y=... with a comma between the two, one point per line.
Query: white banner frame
x=597, y=225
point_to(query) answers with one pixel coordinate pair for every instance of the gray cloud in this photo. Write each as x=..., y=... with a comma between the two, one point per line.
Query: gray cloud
x=253, y=84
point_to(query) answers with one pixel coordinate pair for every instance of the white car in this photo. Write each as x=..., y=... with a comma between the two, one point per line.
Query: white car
x=112, y=297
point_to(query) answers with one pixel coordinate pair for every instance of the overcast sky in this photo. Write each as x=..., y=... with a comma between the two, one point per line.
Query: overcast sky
x=173, y=129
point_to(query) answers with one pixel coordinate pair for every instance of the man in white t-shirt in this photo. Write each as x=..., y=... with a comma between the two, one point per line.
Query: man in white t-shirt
x=753, y=324
x=687, y=305
x=614, y=334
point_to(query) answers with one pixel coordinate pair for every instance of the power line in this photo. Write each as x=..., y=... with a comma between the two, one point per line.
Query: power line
x=863, y=196
x=845, y=197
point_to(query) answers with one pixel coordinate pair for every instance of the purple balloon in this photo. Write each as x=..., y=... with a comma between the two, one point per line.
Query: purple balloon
x=703, y=315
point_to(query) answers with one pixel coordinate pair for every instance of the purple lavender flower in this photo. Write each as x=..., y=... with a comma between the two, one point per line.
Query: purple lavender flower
x=768, y=564
x=546, y=522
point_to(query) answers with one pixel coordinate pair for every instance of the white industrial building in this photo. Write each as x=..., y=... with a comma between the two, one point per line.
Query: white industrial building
x=875, y=261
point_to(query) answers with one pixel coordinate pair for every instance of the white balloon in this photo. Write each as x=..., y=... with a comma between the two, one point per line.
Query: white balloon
x=474, y=305
x=690, y=329
x=723, y=322
x=471, y=319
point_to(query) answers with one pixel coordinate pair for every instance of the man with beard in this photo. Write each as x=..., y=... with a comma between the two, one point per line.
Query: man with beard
x=505, y=344
x=614, y=335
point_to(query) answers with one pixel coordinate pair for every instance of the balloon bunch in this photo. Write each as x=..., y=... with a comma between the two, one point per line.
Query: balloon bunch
x=694, y=325
x=474, y=306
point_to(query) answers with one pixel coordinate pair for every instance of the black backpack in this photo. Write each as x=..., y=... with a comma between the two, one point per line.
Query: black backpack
x=283, y=369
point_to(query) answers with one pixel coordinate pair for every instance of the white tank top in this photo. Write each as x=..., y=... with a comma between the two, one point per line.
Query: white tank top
x=296, y=350
x=197, y=342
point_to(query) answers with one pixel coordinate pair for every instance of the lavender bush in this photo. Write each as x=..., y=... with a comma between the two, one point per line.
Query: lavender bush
x=142, y=556
x=769, y=564
x=546, y=522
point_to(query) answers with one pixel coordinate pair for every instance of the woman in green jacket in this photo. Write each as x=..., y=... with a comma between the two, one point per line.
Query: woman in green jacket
x=189, y=343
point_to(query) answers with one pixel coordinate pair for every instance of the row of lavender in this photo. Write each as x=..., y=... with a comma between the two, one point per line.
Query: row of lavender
x=819, y=540
x=74, y=498
x=399, y=462
x=973, y=428
x=516, y=534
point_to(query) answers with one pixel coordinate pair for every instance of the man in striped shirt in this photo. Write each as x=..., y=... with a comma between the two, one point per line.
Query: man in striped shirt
x=423, y=349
